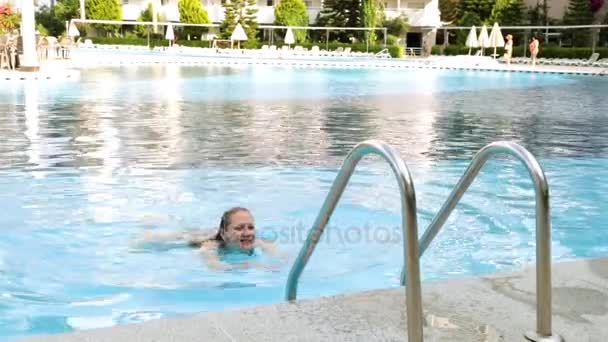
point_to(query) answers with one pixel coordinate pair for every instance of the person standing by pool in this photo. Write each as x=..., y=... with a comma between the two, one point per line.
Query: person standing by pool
x=509, y=49
x=534, y=49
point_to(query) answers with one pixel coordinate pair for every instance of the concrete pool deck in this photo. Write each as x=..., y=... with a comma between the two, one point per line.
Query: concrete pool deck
x=498, y=307
x=463, y=63
x=93, y=58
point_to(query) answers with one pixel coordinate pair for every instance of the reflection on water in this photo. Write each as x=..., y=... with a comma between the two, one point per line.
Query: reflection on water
x=163, y=117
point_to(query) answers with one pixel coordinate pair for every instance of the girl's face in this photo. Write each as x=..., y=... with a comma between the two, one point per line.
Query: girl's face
x=240, y=231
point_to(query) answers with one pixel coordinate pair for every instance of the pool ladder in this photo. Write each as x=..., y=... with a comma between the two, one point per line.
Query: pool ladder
x=414, y=249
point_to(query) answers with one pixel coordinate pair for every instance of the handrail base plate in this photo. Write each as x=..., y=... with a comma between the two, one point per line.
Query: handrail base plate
x=533, y=336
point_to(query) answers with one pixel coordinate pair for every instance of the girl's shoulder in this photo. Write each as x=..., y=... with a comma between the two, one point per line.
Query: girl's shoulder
x=198, y=238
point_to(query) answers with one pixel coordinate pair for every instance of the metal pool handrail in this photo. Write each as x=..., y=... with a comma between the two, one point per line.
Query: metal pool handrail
x=543, y=226
x=408, y=221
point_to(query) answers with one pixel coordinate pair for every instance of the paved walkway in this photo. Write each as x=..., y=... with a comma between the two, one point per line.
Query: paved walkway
x=54, y=70
x=493, y=308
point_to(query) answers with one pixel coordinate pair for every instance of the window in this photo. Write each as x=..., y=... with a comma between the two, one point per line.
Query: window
x=308, y=3
x=270, y=3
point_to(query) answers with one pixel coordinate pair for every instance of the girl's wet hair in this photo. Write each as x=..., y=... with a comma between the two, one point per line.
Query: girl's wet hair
x=225, y=222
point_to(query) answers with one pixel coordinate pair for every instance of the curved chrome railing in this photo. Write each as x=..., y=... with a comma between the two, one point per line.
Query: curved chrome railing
x=409, y=224
x=543, y=226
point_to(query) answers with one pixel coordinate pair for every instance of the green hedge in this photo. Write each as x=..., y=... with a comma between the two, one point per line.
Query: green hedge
x=395, y=51
x=128, y=41
x=518, y=51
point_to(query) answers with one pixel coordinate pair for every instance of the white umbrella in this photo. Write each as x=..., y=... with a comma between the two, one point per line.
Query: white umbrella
x=169, y=35
x=289, y=38
x=73, y=30
x=238, y=34
x=472, y=39
x=484, y=40
x=496, y=38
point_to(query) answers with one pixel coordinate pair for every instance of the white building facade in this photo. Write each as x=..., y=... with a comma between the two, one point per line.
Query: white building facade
x=423, y=15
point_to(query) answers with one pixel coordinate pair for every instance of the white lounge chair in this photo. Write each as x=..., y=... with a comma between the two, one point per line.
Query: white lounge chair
x=383, y=54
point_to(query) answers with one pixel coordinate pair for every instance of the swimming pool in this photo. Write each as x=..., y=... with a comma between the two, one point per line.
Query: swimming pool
x=87, y=165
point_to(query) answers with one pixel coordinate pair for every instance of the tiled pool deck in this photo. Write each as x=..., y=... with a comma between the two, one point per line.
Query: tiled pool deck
x=499, y=307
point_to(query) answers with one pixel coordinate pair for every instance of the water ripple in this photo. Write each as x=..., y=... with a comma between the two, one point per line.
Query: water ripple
x=87, y=166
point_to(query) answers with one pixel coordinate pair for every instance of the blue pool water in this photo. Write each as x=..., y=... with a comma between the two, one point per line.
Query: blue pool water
x=88, y=165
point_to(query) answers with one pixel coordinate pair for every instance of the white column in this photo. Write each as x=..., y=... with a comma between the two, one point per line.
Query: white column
x=399, y=6
x=29, y=61
x=82, y=12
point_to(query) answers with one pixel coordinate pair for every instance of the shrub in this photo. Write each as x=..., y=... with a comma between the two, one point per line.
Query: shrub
x=547, y=51
x=391, y=40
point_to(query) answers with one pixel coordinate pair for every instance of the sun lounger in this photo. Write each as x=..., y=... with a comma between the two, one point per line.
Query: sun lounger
x=602, y=63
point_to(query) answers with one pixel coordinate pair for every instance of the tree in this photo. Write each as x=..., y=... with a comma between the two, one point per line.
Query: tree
x=398, y=26
x=509, y=12
x=372, y=13
x=539, y=14
x=468, y=19
x=230, y=19
x=250, y=22
x=191, y=12
x=53, y=18
x=67, y=9
x=579, y=13
x=240, y=12
x=292, y=13
x=145, y=15
x=482, y=8
x=47, y=17
x=340, y=13
x=104, y=10
x=449, y=10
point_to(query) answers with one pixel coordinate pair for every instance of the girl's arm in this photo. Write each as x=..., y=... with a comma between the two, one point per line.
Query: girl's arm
x=190, y=237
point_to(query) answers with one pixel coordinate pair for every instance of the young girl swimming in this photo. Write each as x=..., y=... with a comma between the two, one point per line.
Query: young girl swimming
x=236, y=233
